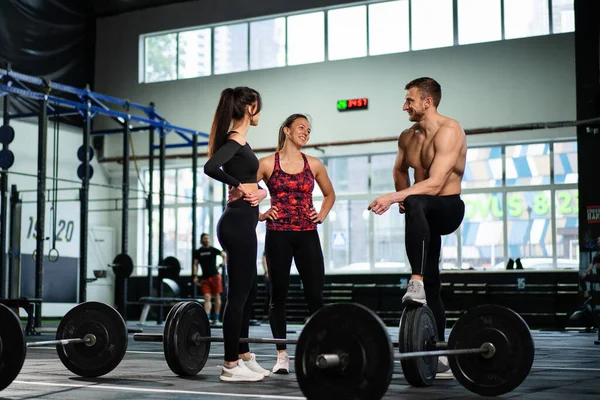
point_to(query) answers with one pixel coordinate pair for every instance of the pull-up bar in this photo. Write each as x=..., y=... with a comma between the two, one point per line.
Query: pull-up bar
x=163, y=126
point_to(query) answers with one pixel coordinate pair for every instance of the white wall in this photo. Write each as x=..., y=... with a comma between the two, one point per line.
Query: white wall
x=25, y=151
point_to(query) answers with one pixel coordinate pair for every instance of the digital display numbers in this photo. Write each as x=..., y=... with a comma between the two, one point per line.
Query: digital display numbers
x=353, y=104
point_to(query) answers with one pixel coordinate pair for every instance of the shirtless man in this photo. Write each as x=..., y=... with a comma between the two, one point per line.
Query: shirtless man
x=435, y=147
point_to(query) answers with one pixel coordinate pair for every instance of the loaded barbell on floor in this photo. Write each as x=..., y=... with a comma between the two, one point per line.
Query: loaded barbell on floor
x=344, y=351
x=122, y=266
x=91, y=340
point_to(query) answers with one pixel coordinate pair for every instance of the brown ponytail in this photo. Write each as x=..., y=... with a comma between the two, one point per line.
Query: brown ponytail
x=232, y=106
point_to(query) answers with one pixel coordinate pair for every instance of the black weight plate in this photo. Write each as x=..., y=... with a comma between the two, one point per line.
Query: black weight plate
x=124, y=266
x=7, y=134
x=12, y=346
x=7, y=159
x=81, y=151
x=80, y=171
x=168, y=343
x=354, y=330
x=183, y=356
x=512, y=361
x=109, y=328
x=418, y=328
x=172, y=270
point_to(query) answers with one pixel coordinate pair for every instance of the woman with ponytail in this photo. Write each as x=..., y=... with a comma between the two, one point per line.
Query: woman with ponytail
x=233, y=162
x=292, y=222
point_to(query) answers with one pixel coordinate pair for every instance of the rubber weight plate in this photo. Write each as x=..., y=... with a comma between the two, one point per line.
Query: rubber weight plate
x=358, y=333
x=7, y=134
x=109, y=328
x=172, y=270
x=184, y=357
x=417, y=328
x=124, y=266
x=514, y=350
x=168, y=344
x=12, y=346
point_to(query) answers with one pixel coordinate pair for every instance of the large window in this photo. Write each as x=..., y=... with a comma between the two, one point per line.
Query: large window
x=388, y=27
x=347, y=32
x=334, y=33
x=231, y=48
x=523, y=18
x=432, y=29
x=479, y=21
x=306, y=38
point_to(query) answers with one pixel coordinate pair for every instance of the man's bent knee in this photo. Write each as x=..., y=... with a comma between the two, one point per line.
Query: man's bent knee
x=413, y=201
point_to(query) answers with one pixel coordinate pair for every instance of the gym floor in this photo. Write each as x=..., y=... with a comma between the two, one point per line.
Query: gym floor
x=565, y=366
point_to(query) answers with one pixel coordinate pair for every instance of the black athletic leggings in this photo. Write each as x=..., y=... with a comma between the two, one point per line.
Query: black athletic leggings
x=305, y=248
x=236, y=231
x=427, y=219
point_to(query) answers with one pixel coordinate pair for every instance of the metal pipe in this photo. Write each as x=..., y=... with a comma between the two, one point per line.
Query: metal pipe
x=4, y=270
x=84, y=195
x=150, y=206
x=194, y=205
x=41, y=207
x=161, y=217
x=89, y=339
x=197, y=339
x=477, y=131
x=125, y=207
x=14, y=243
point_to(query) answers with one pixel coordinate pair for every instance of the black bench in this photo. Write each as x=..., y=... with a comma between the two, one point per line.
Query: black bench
x=27, y=304
x=150, y=301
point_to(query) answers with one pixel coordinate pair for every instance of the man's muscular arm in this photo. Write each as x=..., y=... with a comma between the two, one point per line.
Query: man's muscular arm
x=447, y=145
x=401, y=178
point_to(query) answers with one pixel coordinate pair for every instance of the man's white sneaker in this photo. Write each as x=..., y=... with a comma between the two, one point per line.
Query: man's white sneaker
x=240, y=373
x=283, y=364
x=443, y=369
x=253, y=366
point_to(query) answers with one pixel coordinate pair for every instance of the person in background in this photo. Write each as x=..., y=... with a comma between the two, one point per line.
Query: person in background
x=210, y=282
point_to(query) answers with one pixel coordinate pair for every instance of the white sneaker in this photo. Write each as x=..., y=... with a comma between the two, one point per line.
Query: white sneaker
x=240, y=373
x=253, y=366
x=443, y=369
x=283, y=364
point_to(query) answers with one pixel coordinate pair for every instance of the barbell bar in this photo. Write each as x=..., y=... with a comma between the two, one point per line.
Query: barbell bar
x=196, y=339
x=487, y=350
x=91, y=341
x=123, y=266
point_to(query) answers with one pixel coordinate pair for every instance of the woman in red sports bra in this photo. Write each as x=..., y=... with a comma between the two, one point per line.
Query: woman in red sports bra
x=292, y=221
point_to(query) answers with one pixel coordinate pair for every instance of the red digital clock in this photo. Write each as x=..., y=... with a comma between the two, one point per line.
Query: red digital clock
x=353, y=104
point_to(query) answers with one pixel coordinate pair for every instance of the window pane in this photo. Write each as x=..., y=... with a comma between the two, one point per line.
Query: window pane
x=306, y=38
x=424, y=35
x=523, y=18
x=565, y=162
x=347, y=32
x=483, y=168
x=267, y=43
x=231, y=48
x=170, y=233
x=567, y=225
x=388, y=240
x=349, y=241
x=194, y=53
x=382, y=179
x=482, y=236
x=184, y=239
x=528, y=164
x=349, y=175
x=563, y=16
x=161, y=58
x=388, y=27
x=529, y=233
x=170, y=186
x=479, y=21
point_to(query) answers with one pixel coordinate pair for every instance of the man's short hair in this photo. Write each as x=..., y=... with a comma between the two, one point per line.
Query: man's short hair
x=428, y=87
x=202, y=236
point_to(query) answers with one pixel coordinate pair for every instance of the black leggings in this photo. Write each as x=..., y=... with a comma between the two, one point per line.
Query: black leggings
x=427, y=219
x=236, y=231
x=305, y=248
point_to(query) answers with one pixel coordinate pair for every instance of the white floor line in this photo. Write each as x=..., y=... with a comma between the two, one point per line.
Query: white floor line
x=143, y=390
x=566, y=369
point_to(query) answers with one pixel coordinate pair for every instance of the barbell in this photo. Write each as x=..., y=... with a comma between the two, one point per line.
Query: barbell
x=344, y=350
x=91, y=341
x=122, y=266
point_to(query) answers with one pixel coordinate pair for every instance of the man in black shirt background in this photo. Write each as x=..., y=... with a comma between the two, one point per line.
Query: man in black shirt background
x=211, y=284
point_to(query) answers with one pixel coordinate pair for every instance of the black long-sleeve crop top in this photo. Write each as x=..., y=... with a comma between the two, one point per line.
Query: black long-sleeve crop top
x=239, y=163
